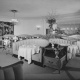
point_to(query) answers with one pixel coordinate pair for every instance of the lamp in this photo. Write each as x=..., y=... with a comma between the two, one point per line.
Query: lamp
x=14, y=20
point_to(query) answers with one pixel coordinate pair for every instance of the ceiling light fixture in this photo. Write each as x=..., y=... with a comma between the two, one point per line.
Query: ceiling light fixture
x=14, y=20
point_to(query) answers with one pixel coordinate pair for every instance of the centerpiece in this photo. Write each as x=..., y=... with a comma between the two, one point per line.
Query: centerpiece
x=53, y=29
x=50, y=20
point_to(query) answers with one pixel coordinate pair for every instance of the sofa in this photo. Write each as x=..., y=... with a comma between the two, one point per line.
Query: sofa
x=12, y=72
x=35, y=41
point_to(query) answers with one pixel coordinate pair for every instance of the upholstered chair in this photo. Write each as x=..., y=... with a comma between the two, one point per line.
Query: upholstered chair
x=12, y=72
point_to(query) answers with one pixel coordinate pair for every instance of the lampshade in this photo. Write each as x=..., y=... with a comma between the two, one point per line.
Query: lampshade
x=14, y=20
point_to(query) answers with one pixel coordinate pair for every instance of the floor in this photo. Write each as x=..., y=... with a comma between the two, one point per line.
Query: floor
x=36, y=72
x=71, y=72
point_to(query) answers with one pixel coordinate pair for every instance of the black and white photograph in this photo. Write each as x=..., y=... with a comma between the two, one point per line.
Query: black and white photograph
x=39, y=39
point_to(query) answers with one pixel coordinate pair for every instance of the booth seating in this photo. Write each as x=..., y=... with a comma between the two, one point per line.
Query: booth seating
x=71, y=49
x=62, y=42
x=27, y=51
x=39, y=42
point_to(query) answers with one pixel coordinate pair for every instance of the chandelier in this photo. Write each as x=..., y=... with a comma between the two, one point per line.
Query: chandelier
x=14, y=20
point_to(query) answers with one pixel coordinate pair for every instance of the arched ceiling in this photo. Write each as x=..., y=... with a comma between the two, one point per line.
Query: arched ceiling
x=28, y=9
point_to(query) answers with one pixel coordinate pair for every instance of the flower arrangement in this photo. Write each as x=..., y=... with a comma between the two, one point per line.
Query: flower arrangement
x=50, y=19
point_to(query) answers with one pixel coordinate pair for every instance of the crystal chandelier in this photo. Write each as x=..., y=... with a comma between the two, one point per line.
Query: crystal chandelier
x=14, y=20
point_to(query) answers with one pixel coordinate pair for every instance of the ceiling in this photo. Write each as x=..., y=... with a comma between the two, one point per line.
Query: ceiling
x=28, y=9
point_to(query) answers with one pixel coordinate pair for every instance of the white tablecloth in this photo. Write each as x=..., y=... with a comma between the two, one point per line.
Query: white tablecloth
x=78, y=44
x=27, y=52
x=72, y=50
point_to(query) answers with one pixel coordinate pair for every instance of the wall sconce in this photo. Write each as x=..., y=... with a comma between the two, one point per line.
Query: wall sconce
x=63, y=29
x=38, y=27
x=67, y=28
x=71, y=28
x=75, y=28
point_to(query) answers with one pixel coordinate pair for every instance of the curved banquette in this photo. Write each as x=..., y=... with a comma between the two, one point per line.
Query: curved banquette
x=39, y=42
x=62, y=42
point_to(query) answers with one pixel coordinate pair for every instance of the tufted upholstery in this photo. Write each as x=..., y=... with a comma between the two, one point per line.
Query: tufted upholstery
x=40, y=42
x=60, y=41
x=12, y=72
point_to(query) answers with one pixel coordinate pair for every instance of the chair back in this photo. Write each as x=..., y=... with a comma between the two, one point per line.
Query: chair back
x=12, y=72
